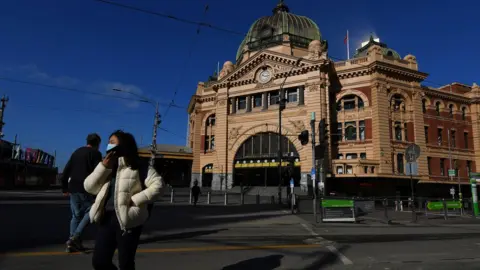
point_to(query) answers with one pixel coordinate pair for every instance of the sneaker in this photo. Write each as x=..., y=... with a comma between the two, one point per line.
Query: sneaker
x=75, y=243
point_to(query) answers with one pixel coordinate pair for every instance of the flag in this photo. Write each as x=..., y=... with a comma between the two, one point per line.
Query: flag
x=345, y=39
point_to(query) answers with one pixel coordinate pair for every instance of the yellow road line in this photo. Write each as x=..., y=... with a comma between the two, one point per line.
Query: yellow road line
x=167, y=250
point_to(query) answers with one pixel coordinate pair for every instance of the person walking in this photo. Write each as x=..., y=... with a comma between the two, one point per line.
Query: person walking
x=195, y=192
x=121, y=205
x=79, y=166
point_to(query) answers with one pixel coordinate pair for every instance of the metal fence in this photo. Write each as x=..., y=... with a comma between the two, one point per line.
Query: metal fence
x=390, y=209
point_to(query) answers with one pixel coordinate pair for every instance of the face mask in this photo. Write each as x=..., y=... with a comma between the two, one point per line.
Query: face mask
x=111, y=146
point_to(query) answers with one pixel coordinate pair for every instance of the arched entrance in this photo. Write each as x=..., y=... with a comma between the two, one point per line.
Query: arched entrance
x=207, y=175
x=256, y=161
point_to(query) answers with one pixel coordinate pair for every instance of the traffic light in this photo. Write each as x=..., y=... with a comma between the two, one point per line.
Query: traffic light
x=323, y=130
x=303, y=137
x=282, y=103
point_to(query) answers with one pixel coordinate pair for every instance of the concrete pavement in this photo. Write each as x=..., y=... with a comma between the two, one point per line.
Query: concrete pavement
x=240, y=237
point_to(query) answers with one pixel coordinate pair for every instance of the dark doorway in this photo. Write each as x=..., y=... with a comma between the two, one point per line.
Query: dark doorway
x=207, y=175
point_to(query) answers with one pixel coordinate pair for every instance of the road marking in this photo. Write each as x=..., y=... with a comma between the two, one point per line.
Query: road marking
x=168, y=250
x=332, y=248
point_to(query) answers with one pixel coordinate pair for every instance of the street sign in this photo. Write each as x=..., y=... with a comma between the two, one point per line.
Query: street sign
x=412, y=152
x=451, y=172
x=313, y=173
x=291, y=183
x=452, y=191
x=439, y=205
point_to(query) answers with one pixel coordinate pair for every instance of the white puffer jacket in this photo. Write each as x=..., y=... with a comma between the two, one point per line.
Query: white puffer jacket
x=130, y=199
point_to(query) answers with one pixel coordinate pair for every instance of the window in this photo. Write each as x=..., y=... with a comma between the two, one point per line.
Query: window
x=349, y=104
x=442, y=167
x=339, y=169
x=439, y=136
x=365, y=169
x=349, y=169
x=350, y=131
x=465, y=139
x=362, y=129
x=207, y=143
x=437, y=108
x=400, y=166
x=292, y=95
x=339, y=106
x=429, y=162
x=426, y=134
x=469, y=167
x=352, y=156
x=455, y=166
x=405, y=130
x=424, y=105
x=257, y=101
x=212, y=142
x=211, y=120
x=464, y=113
x=363, y=155
x=453, y=138
x=340, y=156
x=398, y=131
x=339, y=131
x=242, y=103
x=274, y=98
x=398, y=103
x=360, y=103
x=450, y=110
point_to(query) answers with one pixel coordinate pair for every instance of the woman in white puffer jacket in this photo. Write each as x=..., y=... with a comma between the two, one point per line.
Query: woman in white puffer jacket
x=121, y=204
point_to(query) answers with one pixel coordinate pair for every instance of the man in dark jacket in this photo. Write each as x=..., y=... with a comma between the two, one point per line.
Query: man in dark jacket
x=81, y=164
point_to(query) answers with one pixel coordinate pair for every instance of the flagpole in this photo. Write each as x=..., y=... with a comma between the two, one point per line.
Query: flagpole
x=348, y=46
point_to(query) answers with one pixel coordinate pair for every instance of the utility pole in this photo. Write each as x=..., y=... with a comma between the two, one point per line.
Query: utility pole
x=156, y=123
x=449, y=155
x=314, y=172
x=4, y=101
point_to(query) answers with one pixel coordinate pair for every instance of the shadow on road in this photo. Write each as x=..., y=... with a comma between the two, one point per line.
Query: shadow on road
x=25, y=227
x=261, y=263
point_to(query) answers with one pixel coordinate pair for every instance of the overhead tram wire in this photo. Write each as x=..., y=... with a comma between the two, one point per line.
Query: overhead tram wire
x=203, y=24
x=215, y=27
x=186, y=64
x=76, y=90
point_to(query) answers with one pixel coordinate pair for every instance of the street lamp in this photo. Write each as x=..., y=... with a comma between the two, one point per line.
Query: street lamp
x=156, y=121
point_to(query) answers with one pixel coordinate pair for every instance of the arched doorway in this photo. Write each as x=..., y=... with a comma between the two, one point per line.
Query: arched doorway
x=207, y=175
x=256, y=161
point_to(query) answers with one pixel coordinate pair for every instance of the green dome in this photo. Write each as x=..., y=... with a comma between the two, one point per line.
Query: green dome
x=268, y=31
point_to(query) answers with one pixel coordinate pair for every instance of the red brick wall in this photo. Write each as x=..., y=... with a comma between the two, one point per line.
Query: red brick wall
x=410, y=132
x=368, y=129
x=202, y=143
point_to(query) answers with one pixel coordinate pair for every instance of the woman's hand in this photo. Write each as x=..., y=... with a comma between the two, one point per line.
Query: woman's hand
x=108, y=160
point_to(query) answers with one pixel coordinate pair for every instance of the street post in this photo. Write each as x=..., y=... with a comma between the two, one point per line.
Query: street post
x=412, y=153
x=313, y=172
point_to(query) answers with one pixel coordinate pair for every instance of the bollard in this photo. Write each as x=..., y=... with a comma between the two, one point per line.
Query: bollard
x=172, y=196
x=257, y=198
x=445, y=211
x=272, y=199
x=242, y=198
x=385, y=207
x=226, y=199
x=209, y=198
x=396, y=205
x=401, y=206
x=190, y=196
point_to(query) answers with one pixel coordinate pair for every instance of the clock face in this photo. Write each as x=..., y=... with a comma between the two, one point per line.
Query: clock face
x=264, y=76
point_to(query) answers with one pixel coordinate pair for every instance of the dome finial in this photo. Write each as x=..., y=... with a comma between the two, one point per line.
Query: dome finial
x=281, y=7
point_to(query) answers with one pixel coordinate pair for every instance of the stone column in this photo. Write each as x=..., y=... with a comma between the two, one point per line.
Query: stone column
x=234, y=105
x=265, y=101
x=380, y=128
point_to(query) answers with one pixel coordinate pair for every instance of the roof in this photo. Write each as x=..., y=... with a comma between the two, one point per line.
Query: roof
x=363, y=51
x=267, y=28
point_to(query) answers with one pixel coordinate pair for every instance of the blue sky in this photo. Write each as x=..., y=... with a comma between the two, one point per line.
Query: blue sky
x=92, y=46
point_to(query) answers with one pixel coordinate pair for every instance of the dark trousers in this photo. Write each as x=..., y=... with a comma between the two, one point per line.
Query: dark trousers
x=195, y=199
x=111, y=237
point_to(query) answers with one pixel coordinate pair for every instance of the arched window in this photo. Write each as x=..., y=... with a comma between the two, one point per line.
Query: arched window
x=437, y=108
x=424, y=105
x=350, y=131
x=464, y=113
x=211, y=120
x=397, y=103
x=350, y=102
x=450, y=110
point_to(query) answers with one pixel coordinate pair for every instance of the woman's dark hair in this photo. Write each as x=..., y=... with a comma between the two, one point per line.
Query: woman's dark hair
x=129, y=148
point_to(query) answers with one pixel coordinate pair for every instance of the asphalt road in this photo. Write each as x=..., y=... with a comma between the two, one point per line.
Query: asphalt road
x=237, y=237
